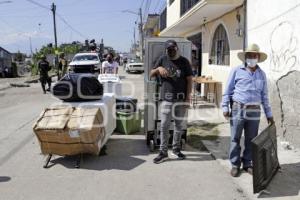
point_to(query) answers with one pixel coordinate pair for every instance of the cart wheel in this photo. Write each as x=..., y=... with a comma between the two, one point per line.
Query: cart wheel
x=183, y=144
x=78, y=161
x=151, y=145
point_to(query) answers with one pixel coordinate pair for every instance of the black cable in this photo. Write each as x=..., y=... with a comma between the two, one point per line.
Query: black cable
x=156, y=6
x=71, y=27
x=39, y=5
x=59, y=17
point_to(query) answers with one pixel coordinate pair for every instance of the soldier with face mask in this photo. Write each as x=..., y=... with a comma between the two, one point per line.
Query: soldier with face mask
x=246, y=91
x=176, y=76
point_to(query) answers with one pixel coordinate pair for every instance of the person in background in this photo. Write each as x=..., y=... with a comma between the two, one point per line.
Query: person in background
x=110, y=66
x=93, y=47
x=125, y=60
x=43, y=69
x=195, y=63
x=117, y=59
x=176, y=76
x=245, y=92
x=62, y=64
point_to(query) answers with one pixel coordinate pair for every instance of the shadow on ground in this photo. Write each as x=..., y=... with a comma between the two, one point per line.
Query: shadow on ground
x=122, y=77
x=133, y=72
x=123, y=153
x=285, y=183
x=4, y=179
x=120, y=155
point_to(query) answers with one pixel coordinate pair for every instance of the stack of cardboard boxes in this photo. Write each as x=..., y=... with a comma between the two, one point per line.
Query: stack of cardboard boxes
x=70, y=131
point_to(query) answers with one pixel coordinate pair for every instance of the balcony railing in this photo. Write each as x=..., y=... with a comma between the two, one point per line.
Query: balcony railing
x=186, y=5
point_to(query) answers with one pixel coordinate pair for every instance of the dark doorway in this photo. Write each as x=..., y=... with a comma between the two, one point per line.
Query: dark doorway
x=197, y=49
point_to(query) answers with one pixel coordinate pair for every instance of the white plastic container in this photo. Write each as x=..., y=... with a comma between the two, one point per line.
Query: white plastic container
x=111, y=84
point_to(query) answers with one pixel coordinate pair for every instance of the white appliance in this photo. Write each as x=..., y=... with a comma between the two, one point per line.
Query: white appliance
x=111, y=84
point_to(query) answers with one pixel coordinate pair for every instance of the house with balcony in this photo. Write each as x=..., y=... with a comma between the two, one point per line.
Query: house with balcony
x=219, y=29
x=151, y=27
x=215, y=27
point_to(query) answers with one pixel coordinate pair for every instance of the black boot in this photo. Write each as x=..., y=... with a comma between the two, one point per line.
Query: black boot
x=43, y=87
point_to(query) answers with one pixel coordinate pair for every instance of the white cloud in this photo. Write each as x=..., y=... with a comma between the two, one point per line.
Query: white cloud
x=11, y=38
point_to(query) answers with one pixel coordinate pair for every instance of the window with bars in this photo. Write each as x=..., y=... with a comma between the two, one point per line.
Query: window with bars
x=186, y=5
x=220, y=51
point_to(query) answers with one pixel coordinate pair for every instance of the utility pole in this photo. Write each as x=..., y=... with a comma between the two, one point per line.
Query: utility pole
x=30, y=43
x=141, y=43
x=134, y=41
x=141, y=34
x=53, y=9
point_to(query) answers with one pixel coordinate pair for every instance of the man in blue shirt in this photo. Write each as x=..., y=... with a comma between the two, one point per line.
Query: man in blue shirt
x=245, y=92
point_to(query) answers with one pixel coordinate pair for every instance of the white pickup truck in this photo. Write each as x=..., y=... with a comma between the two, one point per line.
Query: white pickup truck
x=134, y=66
x=85, y=63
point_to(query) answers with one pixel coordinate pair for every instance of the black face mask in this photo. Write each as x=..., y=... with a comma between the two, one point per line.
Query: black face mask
x=109, y=59
x=171, y=52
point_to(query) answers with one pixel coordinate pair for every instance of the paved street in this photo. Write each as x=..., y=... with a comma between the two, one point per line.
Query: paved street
x=127, y=172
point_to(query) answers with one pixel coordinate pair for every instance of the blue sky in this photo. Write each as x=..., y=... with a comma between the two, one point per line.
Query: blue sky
x=93, y=19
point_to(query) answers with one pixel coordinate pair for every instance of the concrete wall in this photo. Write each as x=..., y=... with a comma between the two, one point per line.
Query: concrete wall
x=173, y=12
x=230, y=23
x=218, y=72
x=277, y=31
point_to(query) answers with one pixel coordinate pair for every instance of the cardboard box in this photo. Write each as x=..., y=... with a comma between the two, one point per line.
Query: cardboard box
x=70, y=131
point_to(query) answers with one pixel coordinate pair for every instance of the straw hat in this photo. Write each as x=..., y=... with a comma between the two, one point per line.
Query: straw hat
x=253, y=48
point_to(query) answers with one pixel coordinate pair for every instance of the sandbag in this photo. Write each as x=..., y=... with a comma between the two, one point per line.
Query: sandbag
x=78, y=87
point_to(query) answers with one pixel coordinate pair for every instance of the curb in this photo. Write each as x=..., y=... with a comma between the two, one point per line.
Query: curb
x=25, y=83
x=243, y=182
x=19, y=85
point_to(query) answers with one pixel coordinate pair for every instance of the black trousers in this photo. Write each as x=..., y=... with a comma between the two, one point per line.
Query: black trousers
x=44, y=81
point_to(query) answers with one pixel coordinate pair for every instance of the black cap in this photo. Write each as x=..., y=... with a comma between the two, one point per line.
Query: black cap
x=170, y=43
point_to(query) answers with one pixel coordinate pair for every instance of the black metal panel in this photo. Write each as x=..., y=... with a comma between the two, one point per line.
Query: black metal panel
x=186, y=5
x=265, y=159
x=163, y=20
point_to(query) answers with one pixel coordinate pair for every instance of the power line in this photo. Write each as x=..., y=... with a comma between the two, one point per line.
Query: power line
x=69, y=25
x=59, y=16
x=142, y=4
x=139, y=7
x=156, y=6
x=38, y=4
x=146, y=10
x=20, y=32
x=162, y=6
x=22, y=16
x=74, y=14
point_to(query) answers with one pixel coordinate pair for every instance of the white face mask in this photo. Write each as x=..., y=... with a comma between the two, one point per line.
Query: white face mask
x=251, y=62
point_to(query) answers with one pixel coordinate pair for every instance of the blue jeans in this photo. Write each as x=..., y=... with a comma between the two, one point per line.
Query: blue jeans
x=246, y=120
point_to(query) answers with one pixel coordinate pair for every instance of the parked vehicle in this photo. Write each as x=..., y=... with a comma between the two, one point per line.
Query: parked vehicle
x=134, y=66
x=85, y=63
